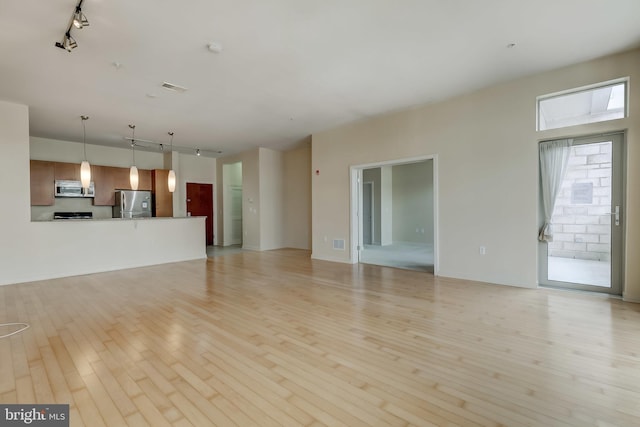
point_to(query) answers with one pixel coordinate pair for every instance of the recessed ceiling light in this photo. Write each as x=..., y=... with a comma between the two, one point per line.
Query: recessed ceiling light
x=511, y=45
x=214, y=47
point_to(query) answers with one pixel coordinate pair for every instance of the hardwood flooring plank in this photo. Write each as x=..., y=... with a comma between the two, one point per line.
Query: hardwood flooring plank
x=275, y=338
x=150, y=412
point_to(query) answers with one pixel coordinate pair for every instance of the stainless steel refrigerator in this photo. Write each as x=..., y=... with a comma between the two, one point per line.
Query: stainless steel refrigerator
x=132, y=204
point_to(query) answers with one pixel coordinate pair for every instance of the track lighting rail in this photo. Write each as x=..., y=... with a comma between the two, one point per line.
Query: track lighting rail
x=78, y=21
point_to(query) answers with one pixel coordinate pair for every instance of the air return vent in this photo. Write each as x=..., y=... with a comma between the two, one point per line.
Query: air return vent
x=338, y=244
x=175, y=88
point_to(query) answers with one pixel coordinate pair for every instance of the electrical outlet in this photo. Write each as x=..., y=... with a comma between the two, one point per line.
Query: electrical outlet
x=483, y=250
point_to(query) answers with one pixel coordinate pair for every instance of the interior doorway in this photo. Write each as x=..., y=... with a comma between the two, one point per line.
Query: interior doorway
x=394, y=214
x=232, y=204
x=200, y=203
x=582, y=248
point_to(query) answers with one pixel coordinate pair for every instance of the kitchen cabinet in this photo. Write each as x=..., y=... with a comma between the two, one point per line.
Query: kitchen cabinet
x=108, y=179
x=102, y=176
x=67, y=171
x=144, y=179
x=121, y=179
x=162, y=198
x=42, y=183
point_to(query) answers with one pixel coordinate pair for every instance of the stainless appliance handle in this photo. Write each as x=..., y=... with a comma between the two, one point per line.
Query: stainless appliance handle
x=616, y=215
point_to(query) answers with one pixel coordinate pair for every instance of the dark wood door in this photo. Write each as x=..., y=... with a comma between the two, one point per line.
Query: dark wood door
x=200, y=203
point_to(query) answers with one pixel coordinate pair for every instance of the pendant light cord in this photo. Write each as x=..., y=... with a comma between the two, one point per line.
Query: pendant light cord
x=84, y=136
x=133, y=142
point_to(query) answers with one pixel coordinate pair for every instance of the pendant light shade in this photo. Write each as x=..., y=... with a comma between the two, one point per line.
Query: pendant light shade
x=85, y=167
x=171, y=180
x=133, y=177
x=133, y=172
x=85, y=174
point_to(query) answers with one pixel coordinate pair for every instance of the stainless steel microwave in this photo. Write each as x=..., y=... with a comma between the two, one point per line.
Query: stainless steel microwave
x=73, y=189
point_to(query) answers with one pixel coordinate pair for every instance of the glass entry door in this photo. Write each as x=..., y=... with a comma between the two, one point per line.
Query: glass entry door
x=587, y=247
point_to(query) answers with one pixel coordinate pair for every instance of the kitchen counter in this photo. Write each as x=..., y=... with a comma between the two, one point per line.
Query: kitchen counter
x=79, y=220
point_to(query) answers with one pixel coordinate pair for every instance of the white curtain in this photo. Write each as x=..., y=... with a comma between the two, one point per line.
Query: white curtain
x=554, y=159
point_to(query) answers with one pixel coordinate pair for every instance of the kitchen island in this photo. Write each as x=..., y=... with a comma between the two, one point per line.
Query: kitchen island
x=62, y=248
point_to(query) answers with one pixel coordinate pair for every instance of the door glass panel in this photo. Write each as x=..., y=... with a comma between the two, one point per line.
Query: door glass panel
x=581, y=248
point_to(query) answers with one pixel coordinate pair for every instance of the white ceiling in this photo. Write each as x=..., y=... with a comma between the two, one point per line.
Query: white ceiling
x=288, y=68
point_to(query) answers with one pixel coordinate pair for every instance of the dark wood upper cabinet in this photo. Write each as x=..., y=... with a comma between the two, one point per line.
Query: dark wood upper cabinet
x=42, y=183
x=144, y=179
x=107, y=179
x=102, y=176
x=162, y=198
x=67, y=171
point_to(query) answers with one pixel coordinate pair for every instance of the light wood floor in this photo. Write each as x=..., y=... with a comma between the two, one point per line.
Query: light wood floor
x=275, y=339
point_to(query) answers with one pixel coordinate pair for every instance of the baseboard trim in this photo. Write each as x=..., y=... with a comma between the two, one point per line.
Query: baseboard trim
x=330, y=259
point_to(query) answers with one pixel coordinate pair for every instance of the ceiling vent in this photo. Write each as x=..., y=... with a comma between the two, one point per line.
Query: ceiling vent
x=172, y=87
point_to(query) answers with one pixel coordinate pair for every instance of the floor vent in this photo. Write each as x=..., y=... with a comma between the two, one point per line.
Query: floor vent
x=338, y=244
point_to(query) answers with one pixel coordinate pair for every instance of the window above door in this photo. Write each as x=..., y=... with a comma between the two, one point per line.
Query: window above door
x=596, y=103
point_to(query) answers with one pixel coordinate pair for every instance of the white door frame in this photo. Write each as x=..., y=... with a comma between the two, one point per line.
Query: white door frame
x=355, y=175
x=618, y=197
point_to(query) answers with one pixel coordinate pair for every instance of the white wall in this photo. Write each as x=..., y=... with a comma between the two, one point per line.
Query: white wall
x=251, y=197
x=43, y=250
x=487, y=148
x=271, y=171
x=276, y=204
x=297, y=197
x=386, y=205
x=413, y=202
x=56, y=150
x=201, y=170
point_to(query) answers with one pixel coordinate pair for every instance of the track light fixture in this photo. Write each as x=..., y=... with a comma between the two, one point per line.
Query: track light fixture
x=149, y=145
x=68, y=43
x=79, y=21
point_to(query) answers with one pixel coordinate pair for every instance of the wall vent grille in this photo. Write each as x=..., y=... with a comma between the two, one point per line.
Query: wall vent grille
x=338, y=244
x=175, y=88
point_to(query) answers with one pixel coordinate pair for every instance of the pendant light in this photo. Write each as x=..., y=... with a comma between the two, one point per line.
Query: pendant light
x=85, y=167
x=133, y=172
x=171, y=181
